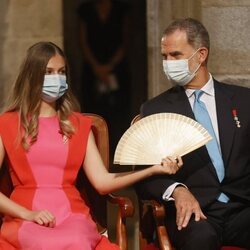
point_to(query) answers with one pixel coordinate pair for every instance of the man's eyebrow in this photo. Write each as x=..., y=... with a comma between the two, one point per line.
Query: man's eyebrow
x=175, y=53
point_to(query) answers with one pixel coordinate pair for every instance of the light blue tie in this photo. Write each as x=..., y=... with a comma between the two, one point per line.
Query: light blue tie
x=202, y=116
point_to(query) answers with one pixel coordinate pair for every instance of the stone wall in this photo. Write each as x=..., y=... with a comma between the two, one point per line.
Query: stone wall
x=227, y=21
x=22, y=23
x=158, y=15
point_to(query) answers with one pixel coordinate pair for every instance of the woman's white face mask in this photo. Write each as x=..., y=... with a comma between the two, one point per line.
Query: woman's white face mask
x=54, y=86
x=177, y=71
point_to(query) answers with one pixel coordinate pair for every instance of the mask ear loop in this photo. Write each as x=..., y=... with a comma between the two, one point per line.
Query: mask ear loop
x=195, y=71
x=193, y=54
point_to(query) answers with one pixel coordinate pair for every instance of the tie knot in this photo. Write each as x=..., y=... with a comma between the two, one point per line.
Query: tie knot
x=198, y=94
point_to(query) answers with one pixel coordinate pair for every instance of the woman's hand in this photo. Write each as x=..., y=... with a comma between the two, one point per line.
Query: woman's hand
x=169, y=165
x=41, y=217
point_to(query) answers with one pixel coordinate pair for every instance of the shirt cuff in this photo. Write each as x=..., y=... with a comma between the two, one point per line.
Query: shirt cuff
x=167, y=194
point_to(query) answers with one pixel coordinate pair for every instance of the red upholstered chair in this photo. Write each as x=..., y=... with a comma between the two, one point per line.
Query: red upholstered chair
x=96, y=202
x=152, y=223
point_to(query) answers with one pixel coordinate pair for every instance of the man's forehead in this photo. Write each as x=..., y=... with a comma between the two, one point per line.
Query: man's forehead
x=176, y=35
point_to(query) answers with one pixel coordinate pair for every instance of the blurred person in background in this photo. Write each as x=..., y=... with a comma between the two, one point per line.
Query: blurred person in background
x=106, y=77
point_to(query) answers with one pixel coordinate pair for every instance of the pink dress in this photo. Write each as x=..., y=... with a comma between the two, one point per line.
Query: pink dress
x=44, y=178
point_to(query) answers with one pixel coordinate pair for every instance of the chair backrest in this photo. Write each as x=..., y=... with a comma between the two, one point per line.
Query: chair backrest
x=146, y=220
x=96, y=202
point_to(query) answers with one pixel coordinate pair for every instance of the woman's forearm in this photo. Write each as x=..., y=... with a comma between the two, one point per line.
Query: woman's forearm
x=115, y=181
x=9, y=207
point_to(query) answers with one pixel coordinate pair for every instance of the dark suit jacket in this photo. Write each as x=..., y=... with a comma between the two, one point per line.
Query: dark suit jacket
x=198, y=172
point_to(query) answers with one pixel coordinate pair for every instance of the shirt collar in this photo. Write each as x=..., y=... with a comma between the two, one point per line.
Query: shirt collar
x=208, y=88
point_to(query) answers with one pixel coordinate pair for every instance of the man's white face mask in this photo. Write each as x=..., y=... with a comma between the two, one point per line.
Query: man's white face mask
x=177, y=71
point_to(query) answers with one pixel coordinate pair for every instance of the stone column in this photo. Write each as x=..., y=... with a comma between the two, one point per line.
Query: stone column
x=22, y=23
x=228, y=23
x=159, y=14
x=185, y=8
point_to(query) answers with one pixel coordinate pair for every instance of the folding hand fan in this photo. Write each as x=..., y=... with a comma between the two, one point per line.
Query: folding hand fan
x=156, y=136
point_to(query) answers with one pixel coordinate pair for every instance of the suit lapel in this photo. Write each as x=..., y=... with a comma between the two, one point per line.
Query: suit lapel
x=226, y=124
x=179, y=103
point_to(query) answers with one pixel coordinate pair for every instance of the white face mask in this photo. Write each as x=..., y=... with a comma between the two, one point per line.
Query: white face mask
x=177, y=71
x=54, y=86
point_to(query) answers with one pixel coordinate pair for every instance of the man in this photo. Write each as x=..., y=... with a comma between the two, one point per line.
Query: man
x=208, y=200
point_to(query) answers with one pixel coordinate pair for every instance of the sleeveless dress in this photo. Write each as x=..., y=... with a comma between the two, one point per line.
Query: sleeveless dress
x=43, y=178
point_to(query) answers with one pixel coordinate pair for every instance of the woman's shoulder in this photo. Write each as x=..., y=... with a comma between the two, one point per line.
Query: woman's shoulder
x=7, y=117
x=8, y=120
x=81, y=118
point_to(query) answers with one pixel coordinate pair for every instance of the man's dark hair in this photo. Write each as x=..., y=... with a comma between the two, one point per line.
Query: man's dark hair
x=197, y=34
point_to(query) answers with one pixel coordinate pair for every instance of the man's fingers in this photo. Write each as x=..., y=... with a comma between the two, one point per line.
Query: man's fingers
x=186, y=219
x=180, y=215
x=203, y=216
x=199, y=215
x=183, y=217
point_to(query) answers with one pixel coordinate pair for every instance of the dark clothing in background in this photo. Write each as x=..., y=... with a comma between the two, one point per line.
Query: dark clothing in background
x=103, y=39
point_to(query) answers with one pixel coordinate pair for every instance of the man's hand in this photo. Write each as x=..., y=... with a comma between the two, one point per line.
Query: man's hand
x=186, y=205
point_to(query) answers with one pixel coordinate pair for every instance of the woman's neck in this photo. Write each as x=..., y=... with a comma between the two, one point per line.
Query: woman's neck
x=47, y=109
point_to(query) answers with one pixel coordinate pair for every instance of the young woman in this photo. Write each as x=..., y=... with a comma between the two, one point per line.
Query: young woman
x=45, y=142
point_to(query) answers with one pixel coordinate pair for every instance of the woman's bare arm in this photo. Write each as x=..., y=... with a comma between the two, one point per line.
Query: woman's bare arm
x=106, y=182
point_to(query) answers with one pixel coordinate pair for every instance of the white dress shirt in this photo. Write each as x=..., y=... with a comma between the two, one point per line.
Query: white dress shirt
x=208, y=98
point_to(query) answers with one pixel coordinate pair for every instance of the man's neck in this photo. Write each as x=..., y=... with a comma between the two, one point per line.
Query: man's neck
x=201, y=78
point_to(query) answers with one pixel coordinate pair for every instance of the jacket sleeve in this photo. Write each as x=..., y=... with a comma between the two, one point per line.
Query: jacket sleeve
x=153, y=187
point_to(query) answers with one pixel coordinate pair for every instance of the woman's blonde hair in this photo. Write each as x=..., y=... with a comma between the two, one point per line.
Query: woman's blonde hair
x=25, y=97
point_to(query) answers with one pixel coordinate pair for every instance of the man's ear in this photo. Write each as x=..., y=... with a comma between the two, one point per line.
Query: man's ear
x=203, y=54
